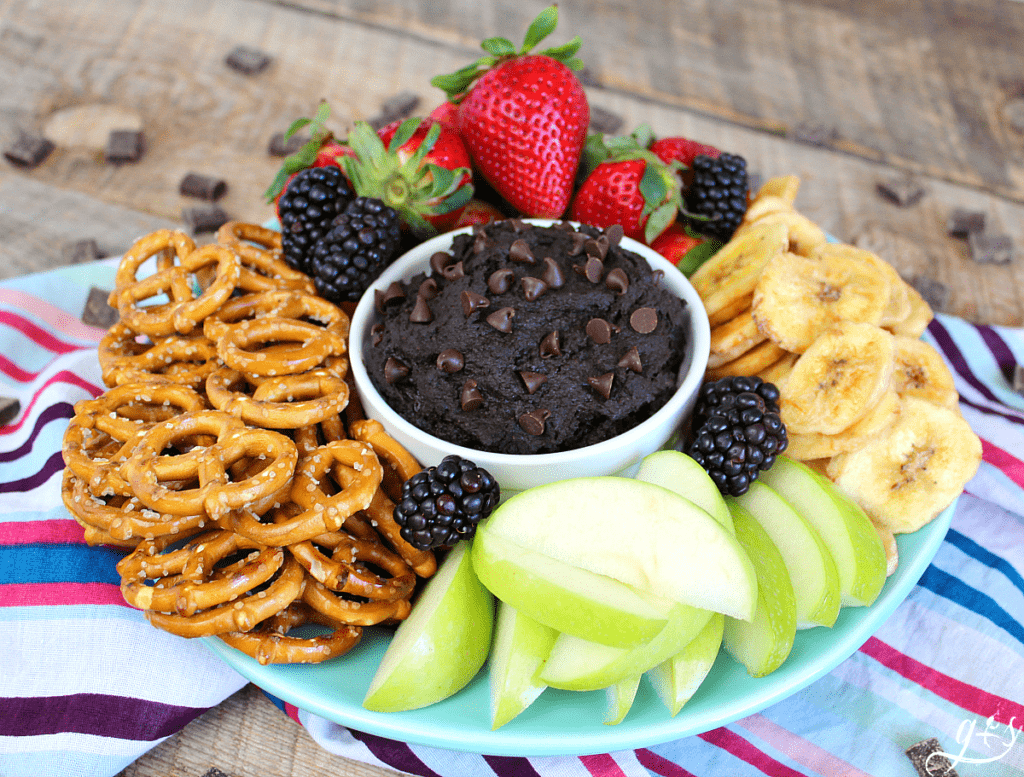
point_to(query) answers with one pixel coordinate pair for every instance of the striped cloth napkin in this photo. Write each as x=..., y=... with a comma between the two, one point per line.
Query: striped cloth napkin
x=87, y=686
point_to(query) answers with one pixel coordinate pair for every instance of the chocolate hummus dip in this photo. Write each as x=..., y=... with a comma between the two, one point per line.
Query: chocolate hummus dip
x=527, y=339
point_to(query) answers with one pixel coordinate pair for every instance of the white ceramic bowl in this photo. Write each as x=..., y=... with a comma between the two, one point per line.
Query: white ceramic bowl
x=516, y=472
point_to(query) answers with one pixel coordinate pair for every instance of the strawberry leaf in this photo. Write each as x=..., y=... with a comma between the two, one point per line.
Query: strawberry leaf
x=404, y=132
x=565, y=51
x=499, y=47
x=540, y=28
x=659, y=220
x=697, y=255
x=306, y=155
x=652, y=187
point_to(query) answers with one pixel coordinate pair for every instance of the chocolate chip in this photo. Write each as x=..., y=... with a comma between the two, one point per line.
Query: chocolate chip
x=421, y=312
x=553, y=275
x=471, y=398
x=551, y=345
x=247, y=60
x=533, y=288
x=98, y=311
x=204, y=187
x=599, y=330
x=533, y=380
x=656, y=277
x=518, y=225
x=480, y=243
x=450, y=360
x=377, y=334
x=929, y=759
x=81, y=252
x=472, y=301
x=815, y=134
x=579, y=239
x=615, y=234
x=963, y=222
x=602, y=384
x=519, y=251
x=205, y=218
x=395, y=371
x=564, y=226
x=617, y=281
x=592, y=270
x=124, y=146
x=501, y=319
x=278, y=146
x=390, y=294
x=427, y=289
x=597, y=247
x=904, y=191
x=533, y=422
x=990, y=249
x=453, y=272
x=644, y=320
x=28, y=150
x=9, y=409
x=500, y=281
x=631, y=360
x=439, y=260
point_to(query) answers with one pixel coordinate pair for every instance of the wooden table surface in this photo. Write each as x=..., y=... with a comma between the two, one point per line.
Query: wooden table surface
x=846, y=94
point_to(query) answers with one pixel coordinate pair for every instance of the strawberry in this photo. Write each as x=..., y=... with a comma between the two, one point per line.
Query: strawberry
x=448, y=152
x=685, y=249
x=478, y=212
x=682, y=150
x=445, y=113
x=524, y=118
x=627, y=185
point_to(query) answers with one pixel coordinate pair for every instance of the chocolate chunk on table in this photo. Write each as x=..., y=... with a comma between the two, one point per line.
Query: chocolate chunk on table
x=98, y=311
x=278, y=146
x=930, y=760
x=125, y=146
x=204, y=187
x=204, y=218
x=9, y=409
x=605, y=121
x=934, y=292
x=28, y=150
x=399, y=106
x=248, y=60
x=81, y=252
x=1018, y=379
x=903, y=190
x=990, y=249
x=815, y=134
x=963, y=222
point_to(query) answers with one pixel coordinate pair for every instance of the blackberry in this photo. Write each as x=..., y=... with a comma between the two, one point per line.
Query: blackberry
x=737, y=431
x=443, y=504
x=362, y=241
x=718, y=191
x=307, y=207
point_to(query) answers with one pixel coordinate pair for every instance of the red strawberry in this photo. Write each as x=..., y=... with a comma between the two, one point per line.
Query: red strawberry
x=682, y=150
x=524, y=118
x=631, y=187
x=684, y=249
x=445, y=113
x=448, y=152
x=478, y=212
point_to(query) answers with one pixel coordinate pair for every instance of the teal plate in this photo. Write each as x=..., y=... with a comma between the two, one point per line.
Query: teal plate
x=570, y=723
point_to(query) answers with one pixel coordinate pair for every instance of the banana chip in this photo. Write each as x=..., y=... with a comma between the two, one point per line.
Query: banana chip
x=905, y=478
x=917, y=321
x=819, y=446
x=733, y=339
x=798, y=297
x=841, y=377
x=921, y=372
x=897, y=307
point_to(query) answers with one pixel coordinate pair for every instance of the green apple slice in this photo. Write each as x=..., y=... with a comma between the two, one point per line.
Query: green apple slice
x=620, y=698
x=762, y=644
x=678, y=678
x=808, y=561
x=678, y=472
x=521, y=646
x=635, y=532
x=566, y=598
x=844, y=528
x=443, y=643
x=579, y=665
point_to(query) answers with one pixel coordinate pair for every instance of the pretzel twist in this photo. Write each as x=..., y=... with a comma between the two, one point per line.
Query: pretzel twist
x=345, y=569
x=184, y=312
x=287, y=402
x=271, y=643
x=179, y=359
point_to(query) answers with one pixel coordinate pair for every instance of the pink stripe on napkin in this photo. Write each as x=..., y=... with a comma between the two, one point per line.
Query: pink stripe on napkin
x=59, y=319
